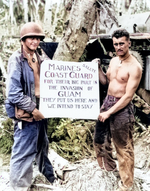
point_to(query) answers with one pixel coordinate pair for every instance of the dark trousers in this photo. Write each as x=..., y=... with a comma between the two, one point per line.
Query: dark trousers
x=118, y=128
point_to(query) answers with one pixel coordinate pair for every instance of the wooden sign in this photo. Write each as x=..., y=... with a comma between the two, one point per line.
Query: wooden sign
x=69, y=90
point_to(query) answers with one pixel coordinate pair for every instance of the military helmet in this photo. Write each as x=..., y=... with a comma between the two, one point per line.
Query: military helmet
x=31, y=29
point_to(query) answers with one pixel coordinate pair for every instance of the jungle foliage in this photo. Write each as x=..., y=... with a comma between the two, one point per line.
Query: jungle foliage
x=71, y=139
x=6, y=136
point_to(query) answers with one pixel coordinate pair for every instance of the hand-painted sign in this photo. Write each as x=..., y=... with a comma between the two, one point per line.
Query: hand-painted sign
x=69, y=90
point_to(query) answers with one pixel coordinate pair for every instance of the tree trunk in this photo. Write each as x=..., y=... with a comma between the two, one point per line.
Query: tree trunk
x=57, y=12
x=48, y=16
x=37, y=18
x=25, y=5
x=78, y=29
x=11, y=12
x=107, y=15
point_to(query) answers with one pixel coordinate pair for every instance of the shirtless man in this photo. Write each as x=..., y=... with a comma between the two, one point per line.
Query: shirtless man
x=116, y=118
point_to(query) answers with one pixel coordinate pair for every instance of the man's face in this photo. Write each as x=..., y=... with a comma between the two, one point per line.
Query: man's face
x=31, y=43
x=121, y=45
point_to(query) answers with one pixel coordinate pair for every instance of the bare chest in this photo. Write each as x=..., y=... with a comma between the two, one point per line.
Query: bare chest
x=119, y=73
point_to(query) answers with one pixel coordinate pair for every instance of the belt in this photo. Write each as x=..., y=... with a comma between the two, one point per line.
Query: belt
x=112, y=98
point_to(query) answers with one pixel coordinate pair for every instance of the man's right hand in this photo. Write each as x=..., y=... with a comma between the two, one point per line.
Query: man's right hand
x=37, y=115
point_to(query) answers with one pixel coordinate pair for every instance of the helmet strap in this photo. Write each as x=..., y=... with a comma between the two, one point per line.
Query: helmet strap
x=21, y=48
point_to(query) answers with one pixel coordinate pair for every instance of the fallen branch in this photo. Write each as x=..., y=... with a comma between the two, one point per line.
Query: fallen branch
x=142, y=126
x=45, y=186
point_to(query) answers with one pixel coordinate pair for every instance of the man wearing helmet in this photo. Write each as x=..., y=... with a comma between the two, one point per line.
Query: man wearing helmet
x=23, y=92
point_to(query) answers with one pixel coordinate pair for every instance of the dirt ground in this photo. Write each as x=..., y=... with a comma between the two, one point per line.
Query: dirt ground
x=85, y=175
